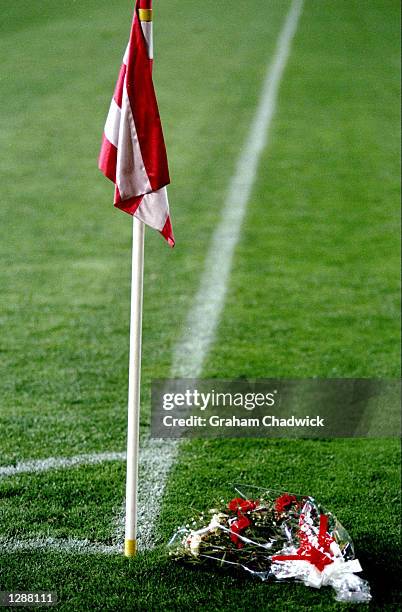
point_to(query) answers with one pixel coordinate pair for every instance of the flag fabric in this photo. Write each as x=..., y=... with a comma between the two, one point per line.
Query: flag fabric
x=133, y=153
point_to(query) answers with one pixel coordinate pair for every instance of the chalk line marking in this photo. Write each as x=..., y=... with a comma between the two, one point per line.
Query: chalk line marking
x=202, y=321
x=70, y=545
x=55, y=463
x=156, y=459
x=153, y=471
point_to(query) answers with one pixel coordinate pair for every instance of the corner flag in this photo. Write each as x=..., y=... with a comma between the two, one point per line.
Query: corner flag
x=133, y=153
x=133, y=156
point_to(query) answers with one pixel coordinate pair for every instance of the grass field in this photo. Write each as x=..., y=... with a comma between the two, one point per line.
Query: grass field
x=313, y=290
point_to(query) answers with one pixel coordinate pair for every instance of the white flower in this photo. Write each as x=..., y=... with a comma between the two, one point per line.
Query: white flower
x=195, y=541
x=215, y=522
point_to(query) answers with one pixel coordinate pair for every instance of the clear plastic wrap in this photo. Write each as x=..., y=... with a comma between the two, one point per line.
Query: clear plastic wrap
x=274, y=536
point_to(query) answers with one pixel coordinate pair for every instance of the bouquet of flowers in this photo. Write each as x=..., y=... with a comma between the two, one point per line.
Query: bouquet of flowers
x=275, y=536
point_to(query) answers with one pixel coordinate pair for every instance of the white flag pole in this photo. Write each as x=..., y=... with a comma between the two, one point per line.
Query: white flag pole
x=134, y=383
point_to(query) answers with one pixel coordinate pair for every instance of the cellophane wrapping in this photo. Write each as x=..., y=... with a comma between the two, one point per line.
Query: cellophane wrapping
x=274, y=536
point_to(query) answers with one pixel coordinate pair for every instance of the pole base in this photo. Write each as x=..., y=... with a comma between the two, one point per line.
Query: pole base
x=130, y=548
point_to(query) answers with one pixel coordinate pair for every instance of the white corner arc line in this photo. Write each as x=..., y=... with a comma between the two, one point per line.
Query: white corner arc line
x=202, y=321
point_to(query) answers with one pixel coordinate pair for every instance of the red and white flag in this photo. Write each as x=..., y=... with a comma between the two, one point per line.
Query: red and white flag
x=133, y=153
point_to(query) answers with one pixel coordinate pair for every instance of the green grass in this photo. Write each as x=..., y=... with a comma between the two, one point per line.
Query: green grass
x=313, y=291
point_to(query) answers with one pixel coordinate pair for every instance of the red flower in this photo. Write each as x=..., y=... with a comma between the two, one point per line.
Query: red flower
x=238, y=526
x=242, y=505
x=284, y=502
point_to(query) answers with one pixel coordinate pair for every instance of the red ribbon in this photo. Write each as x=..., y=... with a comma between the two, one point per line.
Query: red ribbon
x=318, y=555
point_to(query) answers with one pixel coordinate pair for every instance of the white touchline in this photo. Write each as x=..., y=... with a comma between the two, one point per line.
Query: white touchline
x=202, y=321
x=158, y=456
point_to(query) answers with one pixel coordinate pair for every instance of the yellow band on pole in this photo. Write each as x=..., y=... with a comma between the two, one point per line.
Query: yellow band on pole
x=145, y=14
x=130, y=548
